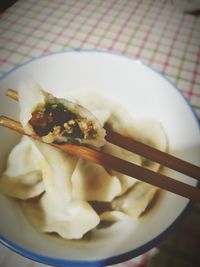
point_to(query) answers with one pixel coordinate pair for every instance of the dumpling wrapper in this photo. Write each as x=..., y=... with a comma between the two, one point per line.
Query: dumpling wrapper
x=92, y=182
x=23, y=177
x=30, y=95
x=57, y=119
x=119, y=118
x=102, y=115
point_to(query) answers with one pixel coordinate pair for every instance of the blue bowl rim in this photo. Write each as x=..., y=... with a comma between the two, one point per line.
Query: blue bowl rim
x=114, y=259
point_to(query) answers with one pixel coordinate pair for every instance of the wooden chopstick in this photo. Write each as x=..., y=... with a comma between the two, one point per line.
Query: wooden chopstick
x=112, y=162
x=143, y=150
x=12, y=94
x=153, y=154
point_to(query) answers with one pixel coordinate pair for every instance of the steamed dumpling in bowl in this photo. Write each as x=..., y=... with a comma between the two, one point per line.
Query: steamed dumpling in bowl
x=68, y=195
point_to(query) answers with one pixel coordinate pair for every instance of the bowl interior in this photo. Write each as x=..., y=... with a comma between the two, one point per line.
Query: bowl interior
x=144, y=93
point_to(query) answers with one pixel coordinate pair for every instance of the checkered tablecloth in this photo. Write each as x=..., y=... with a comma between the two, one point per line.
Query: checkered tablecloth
x=156, y=32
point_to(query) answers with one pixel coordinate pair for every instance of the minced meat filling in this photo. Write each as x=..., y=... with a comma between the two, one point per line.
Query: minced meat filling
x=56, y=119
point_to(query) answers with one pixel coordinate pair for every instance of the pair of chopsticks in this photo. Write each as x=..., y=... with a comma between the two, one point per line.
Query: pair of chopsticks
x=125, y=167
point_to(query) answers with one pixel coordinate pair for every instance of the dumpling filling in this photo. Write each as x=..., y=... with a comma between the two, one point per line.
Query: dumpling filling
x=57, y=123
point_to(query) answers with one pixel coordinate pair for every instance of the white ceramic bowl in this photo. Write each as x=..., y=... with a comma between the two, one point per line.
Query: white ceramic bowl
x=144, y=93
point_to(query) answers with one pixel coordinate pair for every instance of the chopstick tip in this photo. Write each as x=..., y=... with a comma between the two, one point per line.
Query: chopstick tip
x=11, y=93
x=2, y=119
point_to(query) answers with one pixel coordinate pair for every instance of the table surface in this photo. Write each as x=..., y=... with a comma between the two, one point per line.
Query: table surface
x=156, y=32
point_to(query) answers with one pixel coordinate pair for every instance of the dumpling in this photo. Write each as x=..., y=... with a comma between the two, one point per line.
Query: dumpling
x=51, y=214
x=56, y=119
x=135, y=200
x=146, y=130
x=23, y=177
x=70, y=221
x=56, y=211
x=92, y=182
x=125, y=180
x=155, y=136
x=113, y=216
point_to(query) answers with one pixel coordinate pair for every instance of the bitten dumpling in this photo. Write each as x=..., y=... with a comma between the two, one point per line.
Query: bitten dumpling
x=56, y=119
